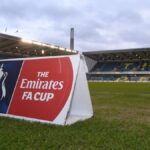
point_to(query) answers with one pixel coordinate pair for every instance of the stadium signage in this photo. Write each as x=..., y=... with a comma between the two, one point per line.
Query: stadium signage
x=45, y=89
x=40, y=85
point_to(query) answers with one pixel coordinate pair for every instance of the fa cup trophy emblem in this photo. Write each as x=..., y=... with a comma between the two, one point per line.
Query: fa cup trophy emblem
x=3, y=76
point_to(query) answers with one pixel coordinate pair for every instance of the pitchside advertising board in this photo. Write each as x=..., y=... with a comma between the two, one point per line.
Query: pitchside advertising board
x=48, y=89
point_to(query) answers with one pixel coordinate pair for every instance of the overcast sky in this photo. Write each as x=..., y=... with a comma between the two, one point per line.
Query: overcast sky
x=99, y=24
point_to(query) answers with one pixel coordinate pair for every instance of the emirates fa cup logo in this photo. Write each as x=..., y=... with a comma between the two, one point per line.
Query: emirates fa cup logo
x=3, y=76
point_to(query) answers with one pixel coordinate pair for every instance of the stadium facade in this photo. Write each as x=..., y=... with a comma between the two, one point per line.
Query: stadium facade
x=119, y=65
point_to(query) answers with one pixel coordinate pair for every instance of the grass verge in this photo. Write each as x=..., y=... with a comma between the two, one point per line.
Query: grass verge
x=121, y=122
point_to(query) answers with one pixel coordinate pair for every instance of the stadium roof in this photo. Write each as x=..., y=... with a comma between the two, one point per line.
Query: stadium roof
x=120, y=55
x=13, y=47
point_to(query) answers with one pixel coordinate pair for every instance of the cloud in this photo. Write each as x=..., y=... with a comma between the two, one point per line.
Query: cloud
x=98, y=24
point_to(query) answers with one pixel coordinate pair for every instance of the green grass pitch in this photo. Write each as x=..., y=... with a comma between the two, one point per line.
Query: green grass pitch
x=121, y=122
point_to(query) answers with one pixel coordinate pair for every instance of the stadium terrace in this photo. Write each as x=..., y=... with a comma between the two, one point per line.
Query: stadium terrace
x=16, y=47
x=119, y=65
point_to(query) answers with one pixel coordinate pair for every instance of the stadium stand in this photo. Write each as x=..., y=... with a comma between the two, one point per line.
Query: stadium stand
x=122, y=66
x=114, y=65
x=119, y=65
x=16, y=47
